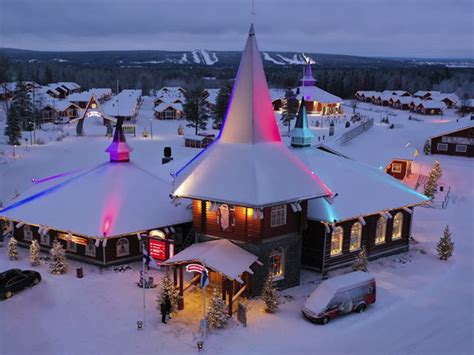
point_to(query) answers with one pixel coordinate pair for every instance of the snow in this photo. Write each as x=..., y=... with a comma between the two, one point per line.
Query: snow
x=313, y=93
x=269, y=58
x=164, y=105
x=124, y=104
x=296, y=59
x=323, y=294
x=202, y=56
x=219, y=255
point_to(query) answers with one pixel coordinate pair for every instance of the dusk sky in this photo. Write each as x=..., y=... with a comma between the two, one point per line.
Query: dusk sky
x=420, y=28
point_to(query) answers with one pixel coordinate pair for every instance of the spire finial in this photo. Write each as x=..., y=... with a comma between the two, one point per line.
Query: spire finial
x=252, y=30
x=119, y=149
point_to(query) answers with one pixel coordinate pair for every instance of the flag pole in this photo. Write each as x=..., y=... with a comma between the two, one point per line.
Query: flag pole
x=143, y=280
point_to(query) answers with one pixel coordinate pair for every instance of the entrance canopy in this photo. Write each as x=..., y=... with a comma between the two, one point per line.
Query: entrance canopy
x=218, y=255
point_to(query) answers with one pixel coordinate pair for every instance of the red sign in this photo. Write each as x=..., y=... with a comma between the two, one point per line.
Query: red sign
x=158, y=249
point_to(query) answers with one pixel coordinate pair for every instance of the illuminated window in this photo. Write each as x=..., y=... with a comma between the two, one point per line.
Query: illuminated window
x=276, y=263
x=396, y=167
x=397, y=226
x=461, y=148
x=123, y=247
x=336, y=241
x=45, y=239
x=356, y=236
x=442, y=147
x=71, y=246
x=278, y=216
x=380, y=230
x=90, y=247
x=27, y=233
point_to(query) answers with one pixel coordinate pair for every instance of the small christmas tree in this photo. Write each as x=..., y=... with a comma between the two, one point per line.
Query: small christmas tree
x=216, y=316
x=168, y=289
x=432, y=184
x=360, y=262
x=34, y=253
x=58, y=264
x=436, y=170
x=445, y=245
x=427, y=147
x=269, y=295
x=12, y=249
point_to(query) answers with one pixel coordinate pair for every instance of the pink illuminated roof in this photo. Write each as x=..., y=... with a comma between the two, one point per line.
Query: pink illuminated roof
x=248, y=164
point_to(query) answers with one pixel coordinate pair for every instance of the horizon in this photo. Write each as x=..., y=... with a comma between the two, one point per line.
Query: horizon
x=368, y=28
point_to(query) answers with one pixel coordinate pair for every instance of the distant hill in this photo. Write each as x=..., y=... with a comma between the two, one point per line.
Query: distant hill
x=201, y=57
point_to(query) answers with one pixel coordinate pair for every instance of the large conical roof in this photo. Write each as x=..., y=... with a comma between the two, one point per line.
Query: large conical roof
x=248, y=164
x=250, y=117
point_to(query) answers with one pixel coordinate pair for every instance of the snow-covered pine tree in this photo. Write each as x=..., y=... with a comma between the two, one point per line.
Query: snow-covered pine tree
x=436, y=170
x=216, y=316
x=12, y=249
x=269, y=295
x=222, y=101
x=195, y=110
x=445, y=245
x=427, y=147
x=58, y=264
x=34, y=253
x=360, y=262
x=290, y=109
x=432, y=184
x=168, y=289
x=13, y=127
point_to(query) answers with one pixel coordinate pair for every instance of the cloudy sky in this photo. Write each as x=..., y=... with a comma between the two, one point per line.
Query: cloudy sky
x=421, y=28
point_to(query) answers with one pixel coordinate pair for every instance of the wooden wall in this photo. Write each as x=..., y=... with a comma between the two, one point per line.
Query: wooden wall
x=452, y=146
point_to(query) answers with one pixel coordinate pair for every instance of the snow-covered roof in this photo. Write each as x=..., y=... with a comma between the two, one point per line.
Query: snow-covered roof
x=59, y=105
x=171, y=94
x=469, y=103
x=462, y=127
x=443, y=96
x=426, y=92
x=70, y=85
x=164, y=105
x=85, y=96
x=313, y=93
x=125, y=104
x=248, y=155
x=395, y=92
x=301, y=129
x=366, y=93
x=406, y=99
x=118, y=198
x=362, y=190
x=220, y=255
x=432, y=104
x=276, y=94
x=212, y=95
x=320, y=298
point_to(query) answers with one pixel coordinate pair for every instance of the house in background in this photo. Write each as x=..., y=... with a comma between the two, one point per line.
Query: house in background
x=458, y=142
x=82, y=98
x=125, y=105
x=53, y=110
x=430, y=107
x=169, y=111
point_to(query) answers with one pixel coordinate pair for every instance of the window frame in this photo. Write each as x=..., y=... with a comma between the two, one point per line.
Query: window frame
x=278, y=216
x=88, y=248
x=279, y=253
x=397, y=218
x=339, y=231
x=359, y=226
x=71, y=246
x=45, y=237
x=118, y=245
x=27, y=231
x=461, y=146
x=439, y=145
x=384, y=221
x=396, y=168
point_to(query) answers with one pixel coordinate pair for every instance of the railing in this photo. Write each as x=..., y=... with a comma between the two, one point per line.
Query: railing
x=354, y=132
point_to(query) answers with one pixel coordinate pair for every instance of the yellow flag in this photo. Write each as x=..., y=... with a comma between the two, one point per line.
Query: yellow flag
x=416, y=153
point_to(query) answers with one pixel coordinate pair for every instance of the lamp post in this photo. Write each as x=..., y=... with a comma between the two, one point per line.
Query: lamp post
x=151, y=129
x=14, y=153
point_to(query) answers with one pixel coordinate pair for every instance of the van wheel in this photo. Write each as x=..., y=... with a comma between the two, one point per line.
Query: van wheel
x=361, y=308
x=8, y=294
x=36, y=281
x=326, y=320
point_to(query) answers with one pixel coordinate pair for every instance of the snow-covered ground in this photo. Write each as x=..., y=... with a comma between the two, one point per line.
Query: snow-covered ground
x=424, y=305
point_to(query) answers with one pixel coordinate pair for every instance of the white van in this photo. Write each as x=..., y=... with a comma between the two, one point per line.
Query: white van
x=351, y=292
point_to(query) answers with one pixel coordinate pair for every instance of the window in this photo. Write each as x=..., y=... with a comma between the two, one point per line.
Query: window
x=396, y=168
x=336, y=241
x=27, y=233
x=45, y=239
x=278, y=216
x=123, y=247
x=461, y=148
x=356, y=236
x=442, y=147
x=397, y=226
x=71, y=246
x=471, y=132
x=277, y=263
x=90, y=247
x=380, y=230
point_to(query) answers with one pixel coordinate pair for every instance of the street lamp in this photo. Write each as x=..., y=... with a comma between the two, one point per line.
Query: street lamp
x=151, y=129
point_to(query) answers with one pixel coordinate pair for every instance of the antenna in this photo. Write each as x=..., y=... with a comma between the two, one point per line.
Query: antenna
x=252, y=14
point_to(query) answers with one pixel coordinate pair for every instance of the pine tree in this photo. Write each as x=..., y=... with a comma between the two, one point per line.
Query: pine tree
x=12, y=249
x=269, y=295
x=427, y=147
x=195, y=110
x=360, y=262
x=34, y=253
x=58, y=264
x=445, y=245
x=222, y=101
x=216, y=316
x=13, y=127
x=432, y=184
x=290, y=109
x=22, y=107
x=168, y=289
